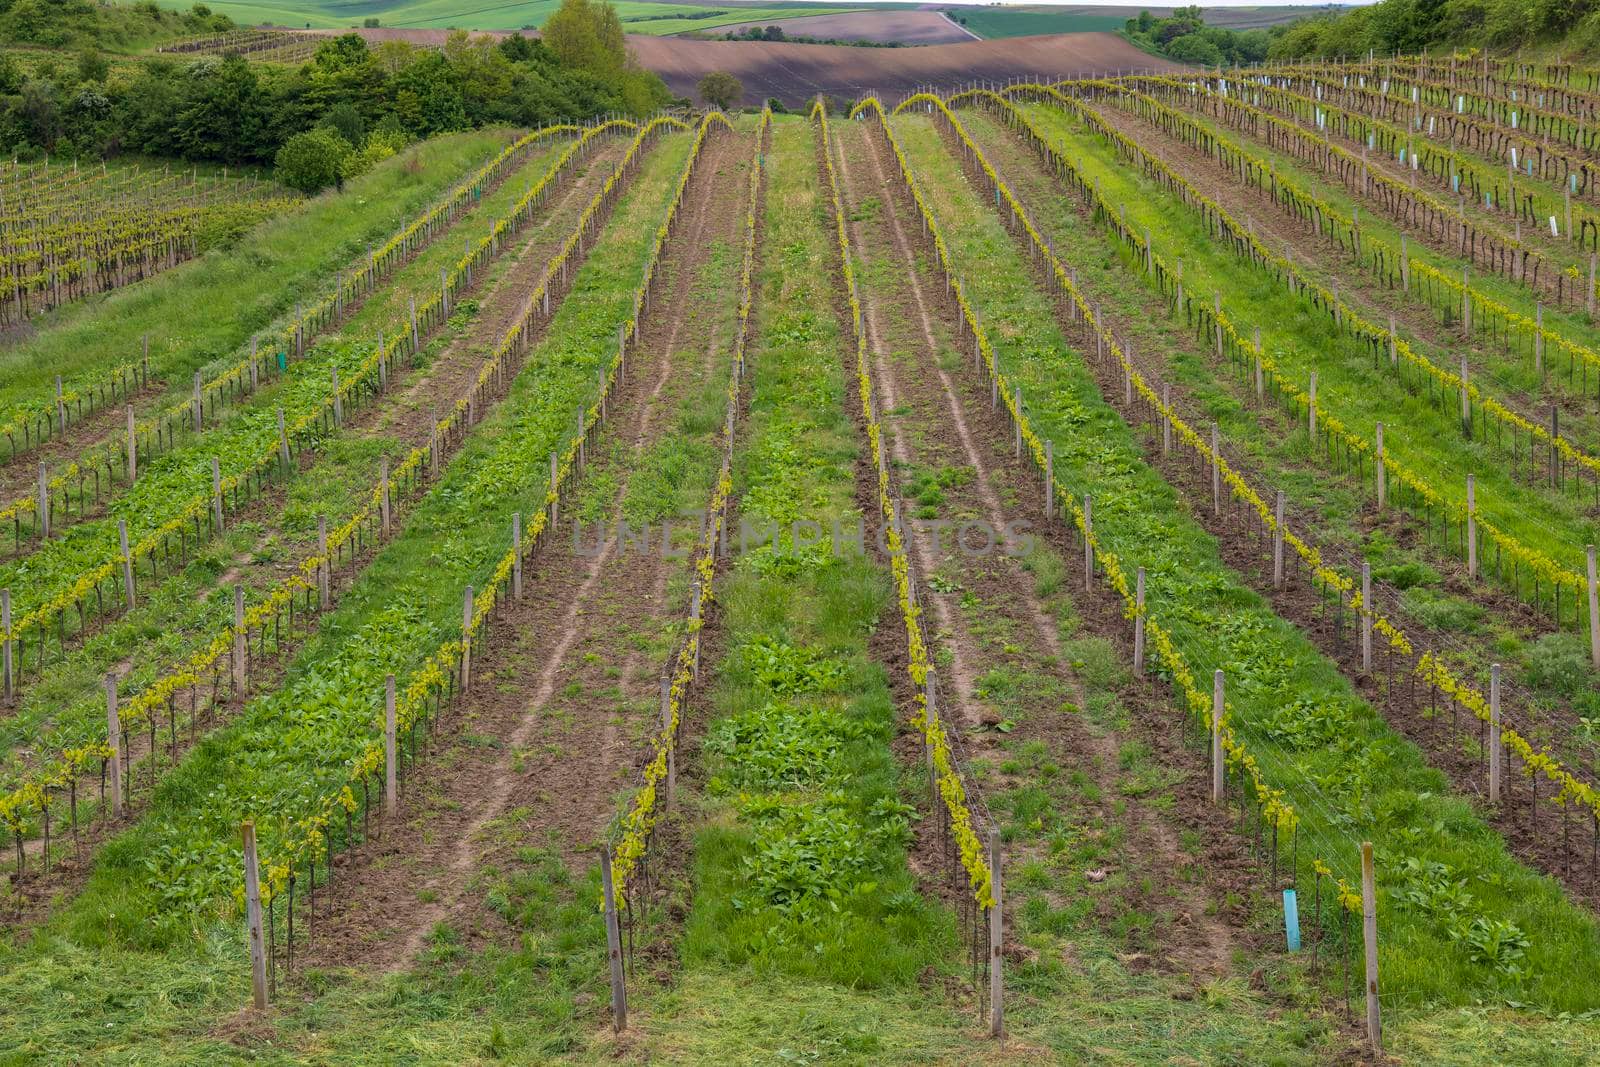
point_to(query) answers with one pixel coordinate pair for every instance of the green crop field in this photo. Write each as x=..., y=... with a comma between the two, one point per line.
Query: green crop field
x=638, y=16
x=1098, y=571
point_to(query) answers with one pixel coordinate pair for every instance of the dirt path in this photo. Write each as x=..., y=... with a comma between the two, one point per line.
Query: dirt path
x=991, y=617
x=564, y=696
x=1449, y=744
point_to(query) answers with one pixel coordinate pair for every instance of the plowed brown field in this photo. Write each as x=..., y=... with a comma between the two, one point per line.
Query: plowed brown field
x=884, y=27
x=794, y=73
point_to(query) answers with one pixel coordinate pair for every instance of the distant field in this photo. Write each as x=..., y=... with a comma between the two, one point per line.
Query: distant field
x=995, y=22
x=640, y=16
x=884, y=27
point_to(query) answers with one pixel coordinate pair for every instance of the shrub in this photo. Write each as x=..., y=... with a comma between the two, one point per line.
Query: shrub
x=311, y=161
x=720, y=89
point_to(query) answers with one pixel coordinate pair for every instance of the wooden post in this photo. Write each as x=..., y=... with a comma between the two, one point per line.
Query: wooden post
x=1472, y=526
x=1594, y=611
x=619, y=992
x=338, y=401
x=466, y=640
x=216, y=491
x=1311, y=411
x=1088, y=543
x=383, y=503
x=1049, y=479
x=1166, y=418
x=433, y=446
x=9, y=669
x=391, y=789
x=127, y=564
x=283, y=443
x=516, y=555
x=252, y=910
x=324, y=571
x=1366, y=617
x=1277, y=542
x=1017, y=422
x=997, y=926
x=1138, y=624
x=1466, y=400
x=554, y=496
x=1261, y=387
x=1405, y=266
x=1590, y=302
x=114, y=741
x=1216, y=306
x=238, y=636
x=44, y=502
x=1394, y=344
x=666, y=728
x=197, y=405
x=133, y=449
x=1369, y=926
x=1380, y=471
x=1216, y=471
x=1538, y=338
x=1217, y=767
x=1496, y=749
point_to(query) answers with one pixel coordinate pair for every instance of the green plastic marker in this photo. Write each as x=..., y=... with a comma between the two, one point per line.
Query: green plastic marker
x=283, y=361
x=1291, y=919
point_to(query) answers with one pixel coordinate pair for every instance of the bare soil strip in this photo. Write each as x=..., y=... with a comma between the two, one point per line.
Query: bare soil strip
x=558, y=715
x=989, y=613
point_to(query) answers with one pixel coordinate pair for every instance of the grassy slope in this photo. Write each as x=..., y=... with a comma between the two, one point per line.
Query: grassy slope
x=147, y=918
x=1372, y=783
x=257, y=282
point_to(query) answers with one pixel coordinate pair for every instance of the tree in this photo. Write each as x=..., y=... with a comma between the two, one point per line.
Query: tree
x=1193, y=48
x=588, y=36
x=311, y=161
x=720, y=89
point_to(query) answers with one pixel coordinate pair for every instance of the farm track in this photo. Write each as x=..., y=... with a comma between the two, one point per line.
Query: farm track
x=18, y=479
x=453, y=371
x=567, y=688
x=1359, y=287
x=1408, y=711
x=395, y=413
x=939, y=419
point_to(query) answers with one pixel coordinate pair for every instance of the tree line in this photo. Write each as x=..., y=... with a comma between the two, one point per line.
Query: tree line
x=225, y=109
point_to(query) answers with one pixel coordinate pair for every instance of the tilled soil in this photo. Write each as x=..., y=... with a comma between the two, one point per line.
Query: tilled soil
x=938, y=418
x=1564, y=848
x=566, y=692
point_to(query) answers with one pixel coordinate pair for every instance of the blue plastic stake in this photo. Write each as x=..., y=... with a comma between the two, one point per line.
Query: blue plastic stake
x=1291, y=919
